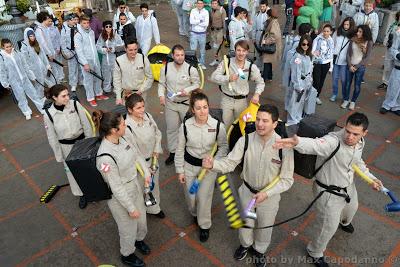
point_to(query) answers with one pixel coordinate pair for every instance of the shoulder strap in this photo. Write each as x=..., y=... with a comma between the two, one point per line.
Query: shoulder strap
x=184, y=129
x=106, y=154
x=218, y=125
x=48, y=115
x=142, y=58
x=129, y=127
x=246, y=145
x=190, y=66
x=75, y=105
x=116, y=61
x=327, y=159
x=118, y=24
x=251, y=65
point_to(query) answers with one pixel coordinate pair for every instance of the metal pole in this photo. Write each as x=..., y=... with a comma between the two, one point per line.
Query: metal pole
x=109, y=6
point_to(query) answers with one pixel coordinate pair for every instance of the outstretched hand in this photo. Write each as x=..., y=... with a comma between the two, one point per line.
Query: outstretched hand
x=286, y=142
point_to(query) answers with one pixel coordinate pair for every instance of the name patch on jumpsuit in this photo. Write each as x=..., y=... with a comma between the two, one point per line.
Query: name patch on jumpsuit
x=211, y=130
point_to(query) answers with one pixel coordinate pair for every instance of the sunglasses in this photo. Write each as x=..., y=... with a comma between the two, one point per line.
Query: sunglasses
x=305, y=44
x=108, y=26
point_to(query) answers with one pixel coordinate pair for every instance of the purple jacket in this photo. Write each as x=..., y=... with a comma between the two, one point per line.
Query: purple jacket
x=97, y=26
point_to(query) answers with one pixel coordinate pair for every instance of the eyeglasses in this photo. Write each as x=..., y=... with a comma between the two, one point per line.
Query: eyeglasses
x=108, y=26
x=305, y=44
x=122, y=7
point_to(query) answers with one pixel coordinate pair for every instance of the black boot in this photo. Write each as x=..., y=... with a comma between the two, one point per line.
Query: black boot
x=170, y=159
x=204, y=234
x=82, y=202
x=347, y=228
x=132, y=260
x=240, y=253
x=142, y=247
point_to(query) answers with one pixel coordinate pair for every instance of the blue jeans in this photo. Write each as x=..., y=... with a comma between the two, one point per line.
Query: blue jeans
x=199, y=40
x=358, y=77
x=339, y=72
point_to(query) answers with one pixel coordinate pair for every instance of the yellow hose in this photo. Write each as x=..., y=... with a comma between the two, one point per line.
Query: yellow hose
x=271, y=184
x=227, y=71
x=365, y=177
x=91, y=121
x=201, y=72
x=228, y=134
x=203, y=170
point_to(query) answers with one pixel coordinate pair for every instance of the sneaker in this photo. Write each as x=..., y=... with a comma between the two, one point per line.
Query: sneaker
x=318, y=101
x=362, y=82
x=333, y=98
x=132, y=260
x=214, y=63
x=142, y=247
x=240, y=253
x=319, y=262
x=102, y=97
x=345, y=104
x=93, y=103
x=170, y=159
x=383, y=110
x=203, y=66
x=28, y=117
x=259, y=260
x=352, y=105
x=82, y=202
x=347, y=228
x=382, y=86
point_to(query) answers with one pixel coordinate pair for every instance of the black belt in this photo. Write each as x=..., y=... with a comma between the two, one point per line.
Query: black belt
x=192, y=160
x=233, y=96
x=254, y=191
x=71, y=141
x=182, y=102
x=216, y=29
x=397, y=67
x=333, y=189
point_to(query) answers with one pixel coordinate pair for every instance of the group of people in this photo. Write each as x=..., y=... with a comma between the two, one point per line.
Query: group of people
x=191, y=131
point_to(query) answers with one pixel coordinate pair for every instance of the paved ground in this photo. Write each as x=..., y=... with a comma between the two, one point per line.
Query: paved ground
x=34, y=234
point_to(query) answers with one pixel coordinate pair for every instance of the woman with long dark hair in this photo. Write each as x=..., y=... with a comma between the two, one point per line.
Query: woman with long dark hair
x=196, y=139
x=341, y=39
x=358, y=53
x=120, y=173
x=300, y=80
x=147, y=136
x=66, y=122
x=108, y=43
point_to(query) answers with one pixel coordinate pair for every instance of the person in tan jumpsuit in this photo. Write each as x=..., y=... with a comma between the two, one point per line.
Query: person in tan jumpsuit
x=119, y=171
x=64, y=127
x=147, y=137
x=132, y=73
x=234, y=101
x=261, y=164
x=173, y=90
x=202, y=131
x=334, y=210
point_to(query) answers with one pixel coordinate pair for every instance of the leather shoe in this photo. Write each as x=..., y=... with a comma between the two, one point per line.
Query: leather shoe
x=132, y=260
x=347, y=228
x=170, y=159
x=82, y=202
x=204, y=234
x=142, y=247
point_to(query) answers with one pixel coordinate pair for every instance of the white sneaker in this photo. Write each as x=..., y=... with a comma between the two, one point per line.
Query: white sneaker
x=203, y=66
x=28, y=117
x=345, y=104
x=318, y=101
x=214, y=63
x=352, y=105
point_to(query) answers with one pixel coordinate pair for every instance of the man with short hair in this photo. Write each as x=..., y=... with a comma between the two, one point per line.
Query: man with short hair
x=336, y=152
x=85, y=47
x=199, y=19
x=262, y=164
x=129, y=32
x=132, y=73
x=177, y=80
x=258, y=28
x=217, y=28
x=123, y=8
x=146, y=28
x=238, y=28
x=235, y=87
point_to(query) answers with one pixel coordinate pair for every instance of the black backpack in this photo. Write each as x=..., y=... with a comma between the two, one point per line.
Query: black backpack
x=128, y=31
x=81, y=161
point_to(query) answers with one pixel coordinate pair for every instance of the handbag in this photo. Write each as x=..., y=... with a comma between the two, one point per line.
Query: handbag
x=265, y=48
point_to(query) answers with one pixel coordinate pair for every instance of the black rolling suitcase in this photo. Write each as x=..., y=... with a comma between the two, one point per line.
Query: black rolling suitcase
x=311, y=126
x=82, y=163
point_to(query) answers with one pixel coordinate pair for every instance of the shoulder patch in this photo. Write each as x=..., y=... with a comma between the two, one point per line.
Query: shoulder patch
x=105, y=167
